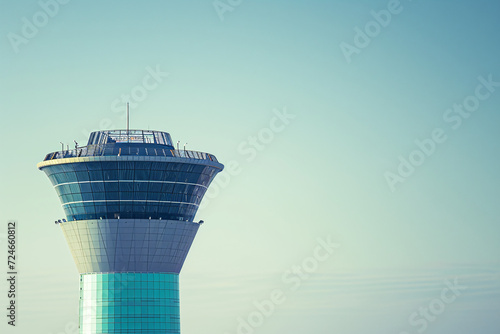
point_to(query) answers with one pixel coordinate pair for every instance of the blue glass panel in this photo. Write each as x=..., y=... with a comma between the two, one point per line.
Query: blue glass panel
x=74, y=188
x=126, y=186
x=192, y=178
x=82, y=176
x=94, y=166
x=153, y=196
x=141, y=186
x=110, y=165
x=77, y=197
x=99, y=207
x=156, y=175
x=87, y=197
x=89, y=209
x=152, y=208
x=112, y=196
x=64, y=189
x=113, y=208
x=169, y=176
x=111, y=174
x=180, y=188
x=78, y=210
x=141, y=174
x=111, y=186
x=97, y=186
x=140, y=207
x=53, y=169
x=95, y=175
x=85, y=187
x=99, y=195
x=65, y=198
x=140, y=195
x=126, y=208
x=142, y=165
x=71, y=176
x=58, y=177
x=126, y=195
x=126, y=174
x=168, y=187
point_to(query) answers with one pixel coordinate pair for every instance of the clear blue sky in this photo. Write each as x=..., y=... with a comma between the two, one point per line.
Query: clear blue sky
x=329, y=169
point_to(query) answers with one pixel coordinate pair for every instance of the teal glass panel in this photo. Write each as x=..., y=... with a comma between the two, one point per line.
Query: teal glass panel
x=129, y=303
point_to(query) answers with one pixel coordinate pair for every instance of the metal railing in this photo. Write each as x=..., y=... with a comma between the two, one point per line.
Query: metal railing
x=112, y=150
x=193, y=155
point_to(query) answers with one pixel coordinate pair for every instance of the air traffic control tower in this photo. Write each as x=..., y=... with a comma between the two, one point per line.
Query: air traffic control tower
x=130, y=199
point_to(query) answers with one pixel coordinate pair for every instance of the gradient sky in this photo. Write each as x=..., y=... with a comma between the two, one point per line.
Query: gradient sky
x=322, y=174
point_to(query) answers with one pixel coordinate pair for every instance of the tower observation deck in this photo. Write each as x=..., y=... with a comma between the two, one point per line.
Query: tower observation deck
x=130, y=198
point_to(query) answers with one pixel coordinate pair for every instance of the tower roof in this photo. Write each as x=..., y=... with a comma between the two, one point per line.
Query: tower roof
x=130, y=136
x=120, y=143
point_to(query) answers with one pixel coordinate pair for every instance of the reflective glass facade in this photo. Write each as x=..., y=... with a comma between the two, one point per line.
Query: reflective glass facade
x=130, y=189
x=130, y=199
x=129, y=303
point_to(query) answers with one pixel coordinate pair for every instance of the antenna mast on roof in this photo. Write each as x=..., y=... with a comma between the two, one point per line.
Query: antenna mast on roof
x=128, y=117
